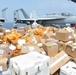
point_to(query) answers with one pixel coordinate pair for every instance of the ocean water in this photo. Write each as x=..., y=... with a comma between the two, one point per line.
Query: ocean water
x=11, y=25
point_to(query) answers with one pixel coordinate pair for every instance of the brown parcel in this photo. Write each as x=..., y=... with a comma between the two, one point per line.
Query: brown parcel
x=3, y=52
x=26, y=28
x=15, y=53
x=64, y=35
x=47, y=35
x=22, y=32
x=30, y=48
x=62, y=45
x=74, y=59
x=53, y=35
x=3, y=63
x=71, y=50
x=58, y=61
x=51, y=40
x=35, y=39
x=57, y=72
x=7, y=31
x=20, y=28
x=51, y=48
x=42, y=40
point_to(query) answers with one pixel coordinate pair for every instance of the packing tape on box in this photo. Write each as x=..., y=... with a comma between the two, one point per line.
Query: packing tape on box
x=73, y=46
x=45, y=32
x=39, y=44
x=69, y=42
x=56, y=62
x=68, y=29
x=53, y=44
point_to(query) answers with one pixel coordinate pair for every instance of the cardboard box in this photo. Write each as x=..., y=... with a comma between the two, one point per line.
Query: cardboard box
x=22, y=32
x=34, y=27
x=62, y=45
x=3, y=50
x=57, y=72
x=75, y=37
x=15, y=53
x=64, y=35
x=58, y=61
x=1, y=41
x=51, y=40
x=12, y=41
x=35, y=40
x=40, y=45
x=1, y=37
x=30, y=48
x=53, y=35
x=27, y=27
x=47, y=35
x=42, y=41
x=71, y=50
x=20, y=28
x=3, y=63
x=74, y=59
x=13, y=29
x=51, y=48
x=2, y=29
x=13, y=37
x=7, y=31
x=42, y=51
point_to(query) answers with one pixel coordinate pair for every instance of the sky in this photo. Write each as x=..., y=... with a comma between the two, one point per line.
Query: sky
x=41, y=7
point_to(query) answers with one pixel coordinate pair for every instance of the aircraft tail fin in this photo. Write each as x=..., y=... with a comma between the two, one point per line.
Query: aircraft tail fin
x=16, y=14
x=33, y=14
x=24, y=13
x=4, y=13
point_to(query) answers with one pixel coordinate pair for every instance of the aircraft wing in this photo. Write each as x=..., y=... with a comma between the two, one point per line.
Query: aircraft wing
x=26, y=21
x=46, y=19
x=38, y=19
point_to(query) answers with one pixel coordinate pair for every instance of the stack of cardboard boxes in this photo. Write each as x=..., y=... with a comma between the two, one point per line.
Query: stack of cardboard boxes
x=58, y=44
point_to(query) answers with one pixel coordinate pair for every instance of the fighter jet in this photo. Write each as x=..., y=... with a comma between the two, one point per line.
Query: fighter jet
x=61, y=19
